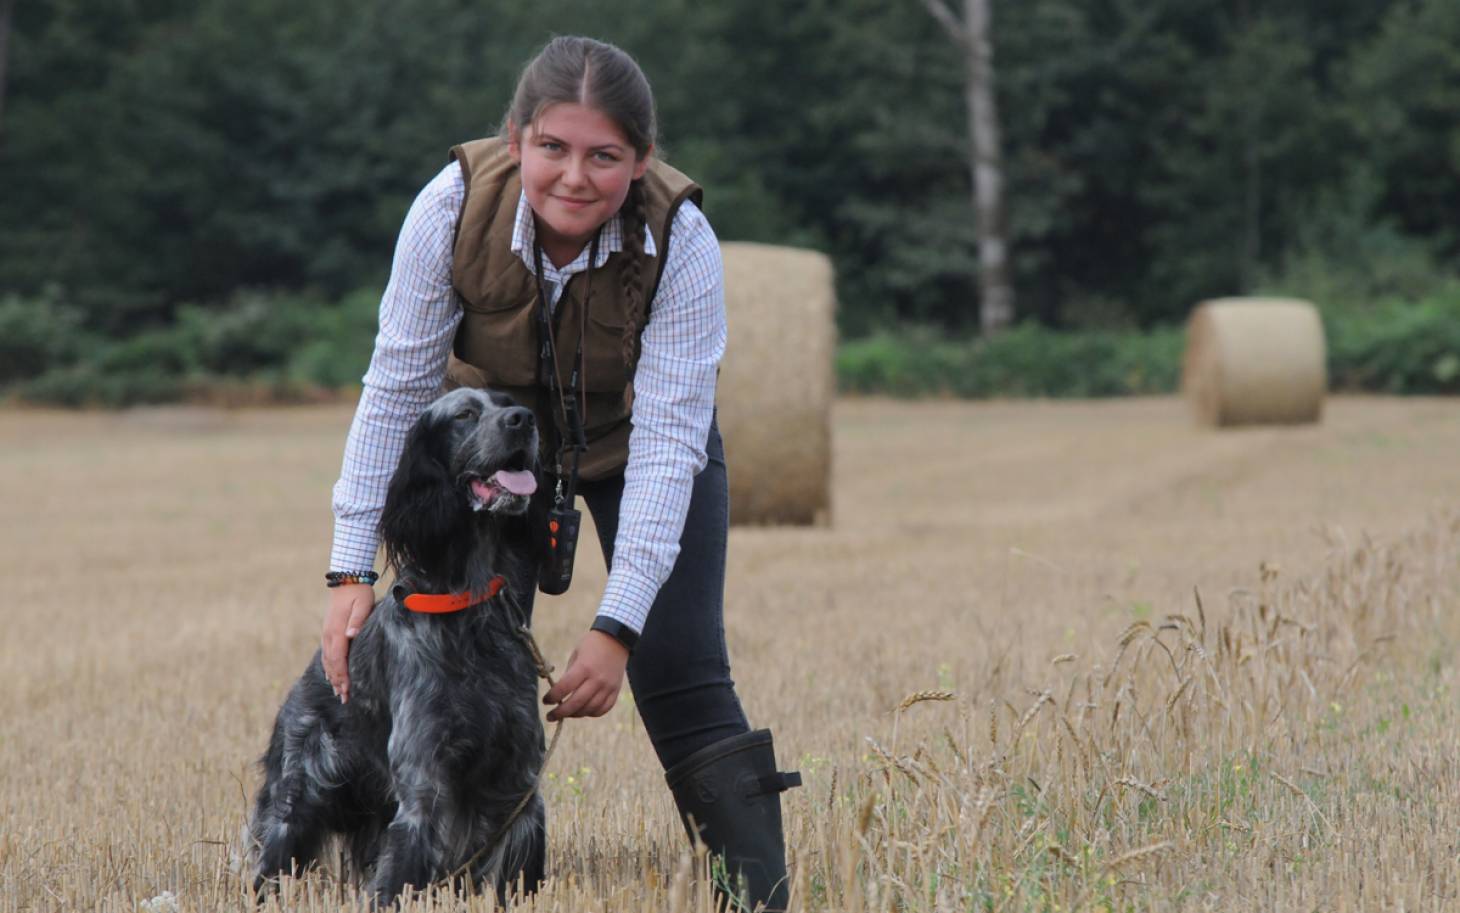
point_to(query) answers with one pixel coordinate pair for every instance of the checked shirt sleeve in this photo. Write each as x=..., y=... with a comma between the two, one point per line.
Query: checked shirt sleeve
x=674, y=401
x=418, y=319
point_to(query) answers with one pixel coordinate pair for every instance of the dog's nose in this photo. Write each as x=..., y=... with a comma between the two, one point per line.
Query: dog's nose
x=517, y=417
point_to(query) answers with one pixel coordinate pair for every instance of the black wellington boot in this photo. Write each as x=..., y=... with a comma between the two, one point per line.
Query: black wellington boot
x=732, y=791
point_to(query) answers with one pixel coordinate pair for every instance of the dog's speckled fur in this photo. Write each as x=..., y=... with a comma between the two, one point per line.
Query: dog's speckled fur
x=441, y=737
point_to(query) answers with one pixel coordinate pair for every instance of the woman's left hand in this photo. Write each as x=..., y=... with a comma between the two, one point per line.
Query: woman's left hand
x=595, y=674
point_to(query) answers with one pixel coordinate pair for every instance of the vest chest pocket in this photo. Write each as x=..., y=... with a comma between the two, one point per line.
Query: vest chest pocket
x=501, y=341
x=603, y=343
x=603, y=352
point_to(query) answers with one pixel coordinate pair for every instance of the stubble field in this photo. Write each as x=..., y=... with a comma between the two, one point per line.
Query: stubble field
x=992, y=669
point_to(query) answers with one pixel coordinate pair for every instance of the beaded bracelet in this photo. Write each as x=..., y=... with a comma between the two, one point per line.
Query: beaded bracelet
x=340, y=578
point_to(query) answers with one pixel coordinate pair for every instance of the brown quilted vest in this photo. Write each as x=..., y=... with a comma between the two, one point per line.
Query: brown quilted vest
x=496, y=344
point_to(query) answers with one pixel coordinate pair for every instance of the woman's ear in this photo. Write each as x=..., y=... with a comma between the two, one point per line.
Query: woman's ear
x=514, y=143
x=642, y=165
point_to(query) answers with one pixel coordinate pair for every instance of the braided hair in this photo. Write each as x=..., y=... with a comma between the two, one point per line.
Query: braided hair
x=601, y=76
x=632, y=275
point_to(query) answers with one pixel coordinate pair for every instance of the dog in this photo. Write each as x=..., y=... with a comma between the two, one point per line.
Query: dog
x=418, y=774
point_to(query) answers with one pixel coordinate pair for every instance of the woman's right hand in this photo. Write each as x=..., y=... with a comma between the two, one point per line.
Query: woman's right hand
x=349, y=606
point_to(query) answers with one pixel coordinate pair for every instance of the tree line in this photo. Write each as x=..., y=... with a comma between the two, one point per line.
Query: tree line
x=156, y=154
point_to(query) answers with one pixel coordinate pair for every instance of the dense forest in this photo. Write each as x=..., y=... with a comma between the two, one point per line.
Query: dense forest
x=163, y=154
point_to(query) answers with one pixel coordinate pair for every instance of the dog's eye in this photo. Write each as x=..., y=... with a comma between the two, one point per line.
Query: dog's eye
x=465, y=415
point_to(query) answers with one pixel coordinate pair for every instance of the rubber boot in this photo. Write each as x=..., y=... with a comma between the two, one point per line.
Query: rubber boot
x=729, y=796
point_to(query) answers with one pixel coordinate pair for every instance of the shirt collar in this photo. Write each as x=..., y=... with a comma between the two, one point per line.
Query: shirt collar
x=524, y=235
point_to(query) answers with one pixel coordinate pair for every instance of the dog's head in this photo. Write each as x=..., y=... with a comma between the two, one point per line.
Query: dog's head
x=471, y=457
x=491, y=445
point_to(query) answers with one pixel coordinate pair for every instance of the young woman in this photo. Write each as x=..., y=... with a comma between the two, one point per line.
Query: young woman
x=569, y=206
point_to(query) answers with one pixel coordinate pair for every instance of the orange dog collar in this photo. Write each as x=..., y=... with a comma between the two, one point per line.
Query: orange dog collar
x=443, y=603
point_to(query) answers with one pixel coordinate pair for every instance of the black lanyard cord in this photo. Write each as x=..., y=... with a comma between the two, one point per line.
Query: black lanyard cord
x=548, y=374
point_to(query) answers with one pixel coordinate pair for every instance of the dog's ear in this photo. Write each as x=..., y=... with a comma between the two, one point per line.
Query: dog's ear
x=423, y=510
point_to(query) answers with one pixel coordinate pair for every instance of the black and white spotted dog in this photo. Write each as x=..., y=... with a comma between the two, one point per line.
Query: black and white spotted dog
x=441, y=737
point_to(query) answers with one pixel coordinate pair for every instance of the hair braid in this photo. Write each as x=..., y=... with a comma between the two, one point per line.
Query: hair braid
x=633, y=282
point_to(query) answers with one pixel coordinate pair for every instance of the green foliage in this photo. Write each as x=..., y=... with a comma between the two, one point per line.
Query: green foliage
x=1025, y=361
x=35, y=334
x=254, y=332
x=283, y=346
x=163, y=156
x=1346, y=261
x=1394, y=347
x=1391, y=315
x=337, y=351
x=1404, y=100
x=1397, y=347
x=91, y=384
x=280, y=345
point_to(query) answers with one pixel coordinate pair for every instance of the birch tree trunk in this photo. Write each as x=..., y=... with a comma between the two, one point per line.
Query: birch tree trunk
x=997, y=310
x=971, y=34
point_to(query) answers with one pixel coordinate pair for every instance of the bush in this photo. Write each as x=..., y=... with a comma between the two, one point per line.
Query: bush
x=89, y=384
x=1027, y=360
x=337, y=352
x=257, y=346
x=1397, y=347
x=1345, y=261
x=261, y=347
x=254, y=331
x=36, y=335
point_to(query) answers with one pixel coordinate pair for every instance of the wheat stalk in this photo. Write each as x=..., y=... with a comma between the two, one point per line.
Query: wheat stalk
x=1136, y=855
x=918, y=697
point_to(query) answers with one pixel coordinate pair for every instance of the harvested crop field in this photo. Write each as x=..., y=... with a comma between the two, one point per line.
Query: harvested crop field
x=991, y=668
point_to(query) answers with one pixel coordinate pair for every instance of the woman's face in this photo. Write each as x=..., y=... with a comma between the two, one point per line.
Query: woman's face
x=576, y=169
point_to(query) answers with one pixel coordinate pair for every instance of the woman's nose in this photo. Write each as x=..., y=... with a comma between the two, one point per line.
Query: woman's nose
x=574, y=172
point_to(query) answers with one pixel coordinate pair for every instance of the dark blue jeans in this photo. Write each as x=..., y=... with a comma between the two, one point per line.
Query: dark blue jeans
x=680, y=669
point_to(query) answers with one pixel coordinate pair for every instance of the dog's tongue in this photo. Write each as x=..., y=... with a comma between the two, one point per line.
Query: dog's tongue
x=519, y=482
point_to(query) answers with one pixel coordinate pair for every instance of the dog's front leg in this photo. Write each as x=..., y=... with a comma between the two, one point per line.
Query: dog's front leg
x=414, y=848
x=412, y=853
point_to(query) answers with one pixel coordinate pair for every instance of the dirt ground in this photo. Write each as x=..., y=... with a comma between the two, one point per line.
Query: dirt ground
x=163, y=568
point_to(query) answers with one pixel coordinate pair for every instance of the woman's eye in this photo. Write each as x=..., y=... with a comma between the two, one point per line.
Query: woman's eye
x=551, y=146
x=605, y=156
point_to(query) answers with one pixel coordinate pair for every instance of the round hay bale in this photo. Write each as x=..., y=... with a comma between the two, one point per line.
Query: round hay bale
x=777, y=382
x=1255, y=361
